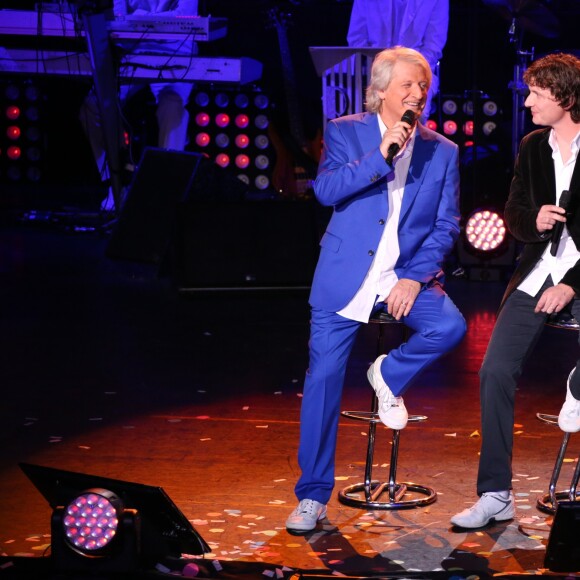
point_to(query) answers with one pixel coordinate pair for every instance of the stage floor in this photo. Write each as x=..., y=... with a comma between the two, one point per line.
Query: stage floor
x=107, y=369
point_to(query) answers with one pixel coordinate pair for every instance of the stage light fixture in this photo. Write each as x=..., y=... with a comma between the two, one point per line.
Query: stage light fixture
x=490, y=108
x=261, y=182
x=261, y=101
x=202, y=139
x=467, y=108
x=242, y=161
x=242, y=121
x=431, y=124
x=241, y=100
x=202, y=119
x=450, y=127
x=14, y=152
x=262, y=162
x=222, y=120
x=468, y=128
x=449, y=107
x=91, y=520
x=223, y=159
x=485, y=230
x=103, y=525
x=488, y=128
x=202, y=99
x=222, y=100
x=222, y=140
x=12, y=92
x=262, y=142
x=242, y=141
x=485, y=251
x=13, y=132
x=12, y=112
x=261, y=121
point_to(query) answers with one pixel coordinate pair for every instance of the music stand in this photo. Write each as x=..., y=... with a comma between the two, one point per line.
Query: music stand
x=345, y=72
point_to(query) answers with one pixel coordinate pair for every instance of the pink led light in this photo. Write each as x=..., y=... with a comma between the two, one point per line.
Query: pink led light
x=202, y=119
x=202, y=139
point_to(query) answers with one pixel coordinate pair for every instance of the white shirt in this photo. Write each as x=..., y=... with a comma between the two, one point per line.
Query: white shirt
x=381, y=277
x=567, y=254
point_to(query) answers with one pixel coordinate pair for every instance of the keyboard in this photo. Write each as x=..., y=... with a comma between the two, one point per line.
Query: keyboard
x=64, y=24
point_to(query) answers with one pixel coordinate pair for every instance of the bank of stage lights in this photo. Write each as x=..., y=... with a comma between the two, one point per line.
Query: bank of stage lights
x=460, y=121
x=21, y=137
x=231, y=127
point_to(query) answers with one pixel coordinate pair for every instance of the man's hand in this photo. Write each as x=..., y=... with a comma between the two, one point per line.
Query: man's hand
x=402, y=297
x=554, y=299
x=548, y=216
x=398, y=134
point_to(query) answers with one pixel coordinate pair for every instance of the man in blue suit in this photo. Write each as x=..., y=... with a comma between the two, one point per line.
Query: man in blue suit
x=394, y=187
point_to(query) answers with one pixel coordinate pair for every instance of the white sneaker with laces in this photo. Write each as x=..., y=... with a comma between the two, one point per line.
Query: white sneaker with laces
x=392, y=411
x=492, y=505
x=569, y=417
x=305, y=516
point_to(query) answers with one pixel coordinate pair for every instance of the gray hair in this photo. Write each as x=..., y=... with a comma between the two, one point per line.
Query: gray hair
x=382, y=72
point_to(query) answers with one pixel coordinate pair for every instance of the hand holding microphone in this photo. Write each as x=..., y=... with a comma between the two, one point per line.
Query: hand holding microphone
x=409, y=118
x=559, y=226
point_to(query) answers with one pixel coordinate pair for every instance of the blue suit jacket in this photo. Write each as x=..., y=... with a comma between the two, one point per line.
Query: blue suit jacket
x=352, y=177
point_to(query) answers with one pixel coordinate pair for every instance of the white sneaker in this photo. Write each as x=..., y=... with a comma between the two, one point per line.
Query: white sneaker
x=392, y=411
x=492, y=505
x=569, y=417
x=305, y=516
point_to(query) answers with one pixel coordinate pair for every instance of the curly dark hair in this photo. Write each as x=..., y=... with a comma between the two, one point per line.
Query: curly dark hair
x=560, y=74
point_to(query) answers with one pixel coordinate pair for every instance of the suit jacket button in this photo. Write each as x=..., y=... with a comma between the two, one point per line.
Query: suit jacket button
x=381, y=222
x=371, y=253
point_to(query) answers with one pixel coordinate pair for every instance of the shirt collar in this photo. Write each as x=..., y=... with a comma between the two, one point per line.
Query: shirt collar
x=574, y=146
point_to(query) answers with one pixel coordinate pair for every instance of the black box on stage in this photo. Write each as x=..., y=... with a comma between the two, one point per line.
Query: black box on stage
x=163, y=180
x=563, y=550
x=147, y=217
x=248, y=244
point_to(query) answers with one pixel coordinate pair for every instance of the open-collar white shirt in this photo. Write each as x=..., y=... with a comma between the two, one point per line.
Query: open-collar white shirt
x=381, y=277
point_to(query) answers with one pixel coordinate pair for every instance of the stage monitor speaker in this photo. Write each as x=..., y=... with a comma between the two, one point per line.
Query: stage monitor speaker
x=562, y=552
x=147, y=217
x=252, y=244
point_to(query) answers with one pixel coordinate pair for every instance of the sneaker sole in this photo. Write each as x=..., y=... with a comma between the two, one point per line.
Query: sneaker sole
x=491, y=520
x=300, y=531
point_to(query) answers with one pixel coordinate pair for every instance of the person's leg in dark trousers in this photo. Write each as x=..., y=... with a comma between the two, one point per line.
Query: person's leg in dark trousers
x=515, y=334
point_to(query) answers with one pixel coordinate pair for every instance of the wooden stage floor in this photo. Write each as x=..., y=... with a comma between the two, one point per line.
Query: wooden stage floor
x=108, y=370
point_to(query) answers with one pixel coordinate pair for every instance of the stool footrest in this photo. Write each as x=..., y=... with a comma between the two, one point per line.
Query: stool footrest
x=373, y=417
x=394, y=496
x=544, y=503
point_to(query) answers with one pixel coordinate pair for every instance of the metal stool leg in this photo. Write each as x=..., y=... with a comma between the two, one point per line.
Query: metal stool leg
x=548, y=503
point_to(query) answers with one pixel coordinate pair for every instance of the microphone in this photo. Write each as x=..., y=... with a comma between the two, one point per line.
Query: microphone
x=559, y=226
x=408, y=117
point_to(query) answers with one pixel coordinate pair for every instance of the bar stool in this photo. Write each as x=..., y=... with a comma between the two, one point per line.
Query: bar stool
x=374, y=494
x=549, y=502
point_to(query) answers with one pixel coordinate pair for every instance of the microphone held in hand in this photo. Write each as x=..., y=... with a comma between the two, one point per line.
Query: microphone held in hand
x=559, y=226
x=408, y=117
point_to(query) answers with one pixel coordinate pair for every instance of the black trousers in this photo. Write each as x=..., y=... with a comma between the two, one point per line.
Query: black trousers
x=514, y=336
